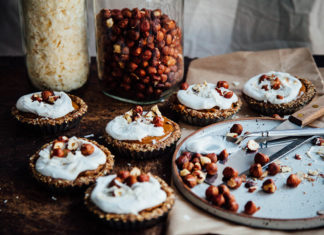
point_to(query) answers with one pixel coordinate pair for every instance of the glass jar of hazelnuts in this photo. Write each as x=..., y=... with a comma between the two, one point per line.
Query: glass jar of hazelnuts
x=139, y=48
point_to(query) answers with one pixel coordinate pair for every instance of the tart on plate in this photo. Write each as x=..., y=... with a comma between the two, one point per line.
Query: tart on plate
x=69, y=162
x=130, y=199
x=49, y=111
x=277, y=93
x=204, y=104
x=142, y=135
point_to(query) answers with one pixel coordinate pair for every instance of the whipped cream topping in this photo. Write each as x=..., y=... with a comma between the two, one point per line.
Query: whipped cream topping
x=72, y=165
x=61, y=107
x=204, y=96
x=138, y=197
x=119, y=128
x=288, y=90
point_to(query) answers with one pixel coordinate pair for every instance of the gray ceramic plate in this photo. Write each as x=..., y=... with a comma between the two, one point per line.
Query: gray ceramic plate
x=287, y=208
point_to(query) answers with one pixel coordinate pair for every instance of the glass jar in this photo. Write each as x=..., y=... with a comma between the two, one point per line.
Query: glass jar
x=55, y=43
x=139, y=48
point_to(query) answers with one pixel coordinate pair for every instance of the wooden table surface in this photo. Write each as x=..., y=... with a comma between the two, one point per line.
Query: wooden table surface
x=27, y=207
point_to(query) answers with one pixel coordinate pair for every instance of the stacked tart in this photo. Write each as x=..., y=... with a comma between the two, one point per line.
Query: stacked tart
x=206, y=103
x=138, y=134
x=49, y=111
x=130, y=199
x=277, y=93
x=68, y=162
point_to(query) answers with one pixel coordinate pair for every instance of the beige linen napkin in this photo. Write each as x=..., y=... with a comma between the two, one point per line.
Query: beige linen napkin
x=185, y=218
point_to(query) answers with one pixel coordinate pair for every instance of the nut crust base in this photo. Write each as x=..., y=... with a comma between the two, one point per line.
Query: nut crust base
x=84, y=178
x=286, y=108
x=145, y=218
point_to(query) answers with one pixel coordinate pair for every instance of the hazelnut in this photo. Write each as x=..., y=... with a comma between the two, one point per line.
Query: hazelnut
x=229, y=198
x=212, y=157
x=58, y=152
x=211, y=168
x=58, y=144
x=228, y=94
x=223, y=155
x=197, y=166
x=113, y=182
x=47, y=94
x=184, y=172
x=275, y=84
x=276, y=116
x=234, y=182
x=252, y=189
x=143, y=178
x=250, y=208
x=181, y=160
x=249, y=184
x=211, y=191
x=265, y=87
x=269, y=186
x=184, y=86
x=293, y=181
x=273, y=168
x=298, y=157
x=261, y=158
x=72, y=144
x=138, y=110
x=204, y=160
x=188, y=165
x=223, y=189
x=135, y=171
x=279, y=97
x=190, y=180
x=109, y=23
x=145, y=26
x=201, y=176
x=237, y=128
x=218, y=200
x=158, y=121
x=232, y=206
x=195, y=160
x=63, y=138
x=252, y=146
x=256, y=170
x=222, y=84
x=123, y=174
x=87, y=149
x=229, y=172
x=130, y=180
x=318, y=141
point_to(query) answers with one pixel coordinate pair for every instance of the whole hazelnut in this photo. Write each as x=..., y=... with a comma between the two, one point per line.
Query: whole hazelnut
x=197, y=166
x=201, y=176
x=130, y=180
x=47, y=94
x=273, y=168
x=123, y=174
x=223, y=155
x=113, y=182
x=252, y=146
x=58, y=152
x=184, y=172
x=293, y=181
x=218, y=200
x=143, y=178
x=222, y=84
x=211, y=168
x=138, y=110
x=237, y=128
x=184, y=86
x=234, y=182
x=181, y=160
x=87, y=149
x=229, y=172
x=212, y=157
x=63, y=138
x=261, y=158
x=158, y=121
x=232, y=206
x=223, y=189
x=269, y=186
x=228, y=94
x=188, y=165
x=211, y=191
x=195, y=160
x=190, y=180
x=256, y=170
x=250, y=208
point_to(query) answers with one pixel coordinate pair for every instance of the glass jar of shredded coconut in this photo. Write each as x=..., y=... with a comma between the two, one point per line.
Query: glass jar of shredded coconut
x=55, y=42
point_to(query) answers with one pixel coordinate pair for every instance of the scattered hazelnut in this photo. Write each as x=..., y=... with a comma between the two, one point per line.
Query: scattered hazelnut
x=113, y=182
x=184, y=86
x=130, y=180
x=252, y=146
x=261, y=158
x=47, y=94
x=269, y=186
x=58, y=144
x=293, y=181
x=211, y=191
x=143, y=178
x=158, y=121
x=229, y=172
x=87, y=149
x=197, y=166
x=237, y=128
x=190, y=180
x=212, y=157
x=201, y=176
x=223, y=155
x=204, y=160
x=135, y=171
x=228, y=94
x=250, y=208
x=276, y=116
x=58, y=152
x=223, y=189
x=188, y=165
x=234, y=182
x=256, y=170
x=252, y=189
x=123, y=174
x=273, y=168
x=211, y=168
x=218, y=200
x=181, y=160
x=222, y=84
x=279, y=97
x=318, y=141
x=232, y=206
x=195, y=160
x=249, y=184
x=138, y=110
x=298, y=157
x=72, y=144
x=184, y=172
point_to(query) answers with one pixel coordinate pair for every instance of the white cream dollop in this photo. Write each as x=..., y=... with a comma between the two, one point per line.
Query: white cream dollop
x=205, y=98
x=120, y=129
x=138, y=197
x=72, y=165
x=60, y=108
x=289, y=88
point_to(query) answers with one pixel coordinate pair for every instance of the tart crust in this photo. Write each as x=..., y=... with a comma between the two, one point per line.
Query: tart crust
x=144, y=151
x=83, y=179
x=286, y=108
x=50, y=125
x=201, y=118
x=144, y=218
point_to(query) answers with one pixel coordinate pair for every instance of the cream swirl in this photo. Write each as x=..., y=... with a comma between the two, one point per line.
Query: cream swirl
x=131, y=200
x=61, y=107
x=261, y=91
x=204, y=96
x=72, y=165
